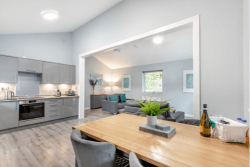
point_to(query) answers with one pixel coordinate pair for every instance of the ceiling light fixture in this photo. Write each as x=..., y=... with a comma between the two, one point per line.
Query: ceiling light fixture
x=157, y=40
x=49, y=14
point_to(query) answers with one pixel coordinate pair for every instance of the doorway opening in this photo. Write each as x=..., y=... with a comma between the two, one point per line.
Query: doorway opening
x=118, y=47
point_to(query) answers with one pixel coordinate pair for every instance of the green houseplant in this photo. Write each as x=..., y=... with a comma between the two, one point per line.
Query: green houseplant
x=151, y=109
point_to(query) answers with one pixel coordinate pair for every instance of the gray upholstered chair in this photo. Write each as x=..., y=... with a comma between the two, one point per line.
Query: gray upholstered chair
x=133, y=160
x=90, y=153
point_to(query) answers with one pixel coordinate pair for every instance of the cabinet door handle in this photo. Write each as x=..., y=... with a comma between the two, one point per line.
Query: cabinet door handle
x=53, y=105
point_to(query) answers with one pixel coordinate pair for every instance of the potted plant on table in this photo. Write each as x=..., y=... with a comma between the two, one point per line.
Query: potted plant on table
x=151, y=109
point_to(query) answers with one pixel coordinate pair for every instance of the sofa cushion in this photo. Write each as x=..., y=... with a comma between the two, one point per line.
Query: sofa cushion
x=132, y=104
x=123, y=97
x=121, y=105
x=118, y=97
x=113, y=98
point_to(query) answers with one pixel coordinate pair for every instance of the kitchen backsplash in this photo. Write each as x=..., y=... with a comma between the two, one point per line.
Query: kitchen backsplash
x=28, y=84
x=44, y=89
x=49, y=89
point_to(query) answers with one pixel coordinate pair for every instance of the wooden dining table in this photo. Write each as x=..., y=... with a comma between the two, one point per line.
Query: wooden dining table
x=185, y=148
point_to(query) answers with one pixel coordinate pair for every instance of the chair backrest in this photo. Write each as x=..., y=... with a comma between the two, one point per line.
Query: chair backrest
x=133, y=160
x=92, y=154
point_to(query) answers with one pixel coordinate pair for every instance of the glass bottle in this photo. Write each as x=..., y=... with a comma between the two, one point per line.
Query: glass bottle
x=205, y=125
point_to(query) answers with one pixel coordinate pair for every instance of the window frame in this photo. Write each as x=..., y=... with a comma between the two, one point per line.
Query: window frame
x=144, y=81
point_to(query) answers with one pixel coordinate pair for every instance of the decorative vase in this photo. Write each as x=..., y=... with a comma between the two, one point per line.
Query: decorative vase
x=93, y=90
x=151, y=120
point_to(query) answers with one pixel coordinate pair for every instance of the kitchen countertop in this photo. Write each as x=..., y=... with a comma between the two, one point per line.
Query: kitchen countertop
x=36, y=98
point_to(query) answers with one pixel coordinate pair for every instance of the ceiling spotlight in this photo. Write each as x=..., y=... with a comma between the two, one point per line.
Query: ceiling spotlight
x=49, y=14
x=157, y=40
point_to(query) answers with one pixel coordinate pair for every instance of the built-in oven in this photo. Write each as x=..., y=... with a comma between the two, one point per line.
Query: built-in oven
x=30, y=110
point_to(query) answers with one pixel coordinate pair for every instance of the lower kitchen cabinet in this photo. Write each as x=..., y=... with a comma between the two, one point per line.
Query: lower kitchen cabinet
x=61, y=108
x=53, y=109
x=70, y=107
x=9, y=112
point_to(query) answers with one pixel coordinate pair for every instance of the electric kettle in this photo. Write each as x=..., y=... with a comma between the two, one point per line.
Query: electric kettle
x=8, y=94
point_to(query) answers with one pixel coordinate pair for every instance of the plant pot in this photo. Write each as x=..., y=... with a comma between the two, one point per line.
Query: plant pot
x=151, y=120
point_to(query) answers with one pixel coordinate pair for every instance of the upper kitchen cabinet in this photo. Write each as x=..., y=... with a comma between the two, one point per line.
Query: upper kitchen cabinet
x=8, y=69
x=65, y=74
x=73, y=74
x=27, y=65
x=51, y=73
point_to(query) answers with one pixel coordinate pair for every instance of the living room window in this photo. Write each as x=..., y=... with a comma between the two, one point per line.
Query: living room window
x=152, y=81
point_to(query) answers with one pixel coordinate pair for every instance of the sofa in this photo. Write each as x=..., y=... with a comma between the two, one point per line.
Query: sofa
x=113, y=106
x=133, y=108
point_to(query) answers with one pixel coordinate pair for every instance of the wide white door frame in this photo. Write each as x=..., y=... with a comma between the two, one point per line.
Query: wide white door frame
x=196, y=60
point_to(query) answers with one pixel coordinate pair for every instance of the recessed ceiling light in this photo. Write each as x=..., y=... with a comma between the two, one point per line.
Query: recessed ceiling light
x=49, y=14
x=157, y=40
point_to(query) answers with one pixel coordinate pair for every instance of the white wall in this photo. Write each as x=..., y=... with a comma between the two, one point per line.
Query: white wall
x=221, y=41
x=94, y=66
x=54, y=47
x=246, y=56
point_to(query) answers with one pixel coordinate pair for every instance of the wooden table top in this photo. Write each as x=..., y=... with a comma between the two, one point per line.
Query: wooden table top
x=185, y=148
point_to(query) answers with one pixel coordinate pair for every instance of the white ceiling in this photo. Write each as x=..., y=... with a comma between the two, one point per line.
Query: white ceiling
x=24, y=16
x=176, y=45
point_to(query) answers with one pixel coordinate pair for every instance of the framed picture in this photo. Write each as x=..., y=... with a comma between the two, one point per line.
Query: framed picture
x=188, y=81
x=98, y=77
x=126, y=83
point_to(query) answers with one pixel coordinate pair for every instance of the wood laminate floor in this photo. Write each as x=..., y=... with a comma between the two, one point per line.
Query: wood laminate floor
x=43, y=146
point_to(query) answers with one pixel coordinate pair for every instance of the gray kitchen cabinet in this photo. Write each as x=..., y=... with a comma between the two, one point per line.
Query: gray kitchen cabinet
x=51, y=73
x=65, y=74
x=70, y=107
x=53, y=109
x=73, y=74
x=9, y=112
x=8, y=69
x=28, y=65
x=75, y=105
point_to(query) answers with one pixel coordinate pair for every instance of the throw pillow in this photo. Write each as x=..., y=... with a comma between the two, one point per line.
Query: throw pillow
x=123, y=97
x=113, y=98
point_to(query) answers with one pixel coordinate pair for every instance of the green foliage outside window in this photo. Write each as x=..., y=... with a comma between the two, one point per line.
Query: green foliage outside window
x=153, y=81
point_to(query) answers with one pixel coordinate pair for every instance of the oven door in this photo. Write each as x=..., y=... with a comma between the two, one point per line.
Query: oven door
x=31, y=111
